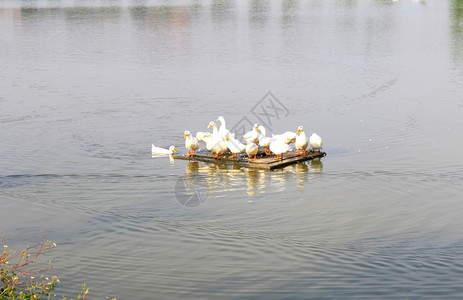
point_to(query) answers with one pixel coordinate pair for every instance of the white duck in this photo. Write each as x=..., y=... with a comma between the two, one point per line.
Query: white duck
x=264, y=141
x=215, y=131
x=199, y=135
x=223, y=131
x=234, y=145
x=315, y=142
x=279, y=147
x=301, y=141
x=217, y=146
x=161, y=151
x=191, y=143
x=287, y=137
x=207, y=138
x=251, y=149
x=253, y=135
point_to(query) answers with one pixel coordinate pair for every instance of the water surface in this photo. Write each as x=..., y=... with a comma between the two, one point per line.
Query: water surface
x=87, y=86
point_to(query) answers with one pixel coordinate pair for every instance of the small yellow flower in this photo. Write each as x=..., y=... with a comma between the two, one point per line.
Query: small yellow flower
x=5, y=246
x=32, y=277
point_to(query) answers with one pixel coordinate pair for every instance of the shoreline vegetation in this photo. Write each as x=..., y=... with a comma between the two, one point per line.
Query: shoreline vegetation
x=20, y=280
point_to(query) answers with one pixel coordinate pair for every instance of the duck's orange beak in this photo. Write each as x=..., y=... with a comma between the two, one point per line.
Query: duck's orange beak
x=298, y=130
x=185, y=135
x=175, y=150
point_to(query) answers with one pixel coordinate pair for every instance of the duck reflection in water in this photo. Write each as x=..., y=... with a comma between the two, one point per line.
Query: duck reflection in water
x=302, y=170
x=216, y=178
x=316, y=166
x=252, y=180
x=192, y=167
x=219, y=179
x=191, y=173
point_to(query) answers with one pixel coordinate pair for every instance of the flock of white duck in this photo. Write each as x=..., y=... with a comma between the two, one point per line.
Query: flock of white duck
x=220, y=140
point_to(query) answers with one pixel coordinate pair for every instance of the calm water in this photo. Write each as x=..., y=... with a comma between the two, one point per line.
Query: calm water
x=87, y=86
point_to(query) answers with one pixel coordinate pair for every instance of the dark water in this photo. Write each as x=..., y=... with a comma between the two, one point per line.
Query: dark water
x=87, y=86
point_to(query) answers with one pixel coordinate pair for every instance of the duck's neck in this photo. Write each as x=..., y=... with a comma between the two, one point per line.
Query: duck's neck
x=222, y=124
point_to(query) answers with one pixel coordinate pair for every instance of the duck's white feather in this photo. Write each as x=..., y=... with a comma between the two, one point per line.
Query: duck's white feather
x=279, y=147
x=264, y=140
x=216, y=145
x=215, y=130
x=191, y=143
x=251, y=148
x=252, y=135
x=287, y=137
x=223, y=131
x=235, y=146
x=315, y=141
x=301, y=140
x=199, y=135
x=161, y=151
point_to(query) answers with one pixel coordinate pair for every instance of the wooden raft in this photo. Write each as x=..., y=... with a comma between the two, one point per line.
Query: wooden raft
x=262, y=162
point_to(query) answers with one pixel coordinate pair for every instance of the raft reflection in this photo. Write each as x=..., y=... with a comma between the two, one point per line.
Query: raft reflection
x=220, y=179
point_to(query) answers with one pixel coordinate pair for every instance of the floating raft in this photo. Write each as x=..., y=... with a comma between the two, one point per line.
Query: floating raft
x=262, y=162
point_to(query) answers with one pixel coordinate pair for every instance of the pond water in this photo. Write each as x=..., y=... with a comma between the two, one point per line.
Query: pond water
x=87, y=86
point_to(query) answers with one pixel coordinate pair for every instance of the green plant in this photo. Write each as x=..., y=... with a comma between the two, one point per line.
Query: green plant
x=19, y=281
